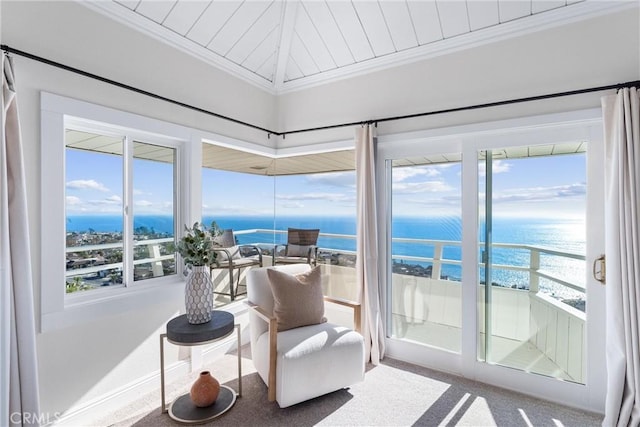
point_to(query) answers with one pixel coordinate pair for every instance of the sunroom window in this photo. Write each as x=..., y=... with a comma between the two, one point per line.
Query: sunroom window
x=260, y=197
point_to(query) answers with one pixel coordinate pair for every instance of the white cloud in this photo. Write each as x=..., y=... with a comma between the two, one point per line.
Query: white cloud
x=137, y=192
x=293, y=205
x=143, y=203
x=73, y=201
x=329, y=197
x=499, y=166
x=236, y=210
x=540, y=194
x=403, y=173
x=334, y=179
x=114, y=200
x=420, y=187
x=86, y=184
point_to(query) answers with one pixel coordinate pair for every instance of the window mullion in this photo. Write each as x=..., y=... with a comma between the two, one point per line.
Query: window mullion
x=127, y=236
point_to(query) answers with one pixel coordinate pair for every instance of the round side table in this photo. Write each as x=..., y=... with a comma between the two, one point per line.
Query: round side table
x=180, y=332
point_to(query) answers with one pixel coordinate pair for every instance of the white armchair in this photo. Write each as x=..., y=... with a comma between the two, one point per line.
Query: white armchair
x=305, y=362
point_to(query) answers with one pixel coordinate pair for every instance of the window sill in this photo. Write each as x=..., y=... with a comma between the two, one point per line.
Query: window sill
x=79, y=309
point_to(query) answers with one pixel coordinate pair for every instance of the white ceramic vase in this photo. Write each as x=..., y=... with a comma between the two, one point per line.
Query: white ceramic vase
x=198, y=295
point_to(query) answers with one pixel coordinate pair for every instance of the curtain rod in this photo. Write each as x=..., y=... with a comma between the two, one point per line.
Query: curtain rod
x=635, y=83
x=9, y=49
x=269, y=132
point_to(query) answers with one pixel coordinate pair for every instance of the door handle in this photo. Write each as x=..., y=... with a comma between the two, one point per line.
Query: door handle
x=600, y=273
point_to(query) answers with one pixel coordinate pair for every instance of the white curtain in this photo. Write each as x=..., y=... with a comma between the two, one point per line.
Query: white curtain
x=19, y=363
x=621, y=114
x=367, y=245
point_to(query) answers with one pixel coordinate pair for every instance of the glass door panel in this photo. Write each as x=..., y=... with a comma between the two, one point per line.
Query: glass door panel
x=426, y=223
x=532, y=241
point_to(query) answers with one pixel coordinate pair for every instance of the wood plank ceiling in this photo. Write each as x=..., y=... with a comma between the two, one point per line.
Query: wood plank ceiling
x=229, y=159
x=286, y=45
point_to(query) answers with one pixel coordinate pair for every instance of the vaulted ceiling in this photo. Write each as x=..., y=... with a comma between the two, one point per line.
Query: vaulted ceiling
x=287, y=45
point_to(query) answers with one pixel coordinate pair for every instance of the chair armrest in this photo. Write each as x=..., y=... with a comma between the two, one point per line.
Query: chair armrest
x=257, y=250
x=217, y=264
x=281, y=245
x=273, y=347
x=261, y=313
x=357, y=310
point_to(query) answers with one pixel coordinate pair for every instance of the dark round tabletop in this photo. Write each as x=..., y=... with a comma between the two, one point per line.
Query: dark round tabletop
x=183, y=332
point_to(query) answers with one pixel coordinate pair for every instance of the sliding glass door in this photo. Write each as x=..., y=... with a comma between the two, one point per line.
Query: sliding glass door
x=532, y=235
x=489, y=239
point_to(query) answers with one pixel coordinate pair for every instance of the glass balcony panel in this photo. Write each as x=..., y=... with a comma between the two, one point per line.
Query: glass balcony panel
x=260, y=197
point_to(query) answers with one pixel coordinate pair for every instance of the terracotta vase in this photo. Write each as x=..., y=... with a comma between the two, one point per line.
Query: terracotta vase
x=205, y=390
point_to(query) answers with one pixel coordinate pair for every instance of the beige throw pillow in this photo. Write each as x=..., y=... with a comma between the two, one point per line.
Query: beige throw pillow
x=298, y=299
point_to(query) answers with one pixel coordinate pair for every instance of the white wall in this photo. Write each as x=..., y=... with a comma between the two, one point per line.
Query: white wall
x=80, y=364
x=595, y=52
x=71, y=34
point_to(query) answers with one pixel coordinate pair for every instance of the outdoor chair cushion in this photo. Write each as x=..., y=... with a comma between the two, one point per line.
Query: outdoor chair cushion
x=298, y=250
x=233, y=250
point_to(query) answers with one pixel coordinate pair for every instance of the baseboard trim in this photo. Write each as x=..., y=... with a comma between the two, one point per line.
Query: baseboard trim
x=101, y=406
x=96, y=409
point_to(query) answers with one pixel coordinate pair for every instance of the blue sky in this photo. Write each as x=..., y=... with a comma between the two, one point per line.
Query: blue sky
x=539, y=186
x=94, y=184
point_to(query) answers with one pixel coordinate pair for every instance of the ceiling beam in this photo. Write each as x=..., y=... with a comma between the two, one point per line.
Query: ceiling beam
x=289, y=15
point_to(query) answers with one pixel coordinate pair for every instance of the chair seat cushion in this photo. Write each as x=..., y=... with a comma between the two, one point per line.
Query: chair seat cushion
x=312, y=361
x=291, y=259
x=298, y=250
x=234, y=251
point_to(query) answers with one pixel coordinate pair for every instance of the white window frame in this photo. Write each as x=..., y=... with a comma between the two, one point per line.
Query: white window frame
x=57, y=114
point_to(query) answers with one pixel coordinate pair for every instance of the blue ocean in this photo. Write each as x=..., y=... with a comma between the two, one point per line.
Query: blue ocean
x=558, y=234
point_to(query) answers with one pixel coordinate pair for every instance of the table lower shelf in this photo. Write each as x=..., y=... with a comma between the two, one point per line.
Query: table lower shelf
x=184, y=411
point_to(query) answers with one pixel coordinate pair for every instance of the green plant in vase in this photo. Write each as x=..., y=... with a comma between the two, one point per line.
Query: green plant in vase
x=196, y=246
x=196, y=249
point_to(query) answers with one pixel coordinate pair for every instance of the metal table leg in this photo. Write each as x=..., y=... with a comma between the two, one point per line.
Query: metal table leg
x=163, y=407
x=239, y=362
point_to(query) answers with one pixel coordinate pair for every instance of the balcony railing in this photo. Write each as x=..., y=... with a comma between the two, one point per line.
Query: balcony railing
x=544, y=324
x=95, y=266
x=533, y=269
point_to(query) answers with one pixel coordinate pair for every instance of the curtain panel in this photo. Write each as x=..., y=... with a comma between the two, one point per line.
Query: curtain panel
x=367, y=261
x=18, y=321
x=621, y=115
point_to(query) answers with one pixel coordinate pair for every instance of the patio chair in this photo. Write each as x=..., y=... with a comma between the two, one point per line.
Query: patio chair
x=232, y=256
x=300, y=247
x=298, y=354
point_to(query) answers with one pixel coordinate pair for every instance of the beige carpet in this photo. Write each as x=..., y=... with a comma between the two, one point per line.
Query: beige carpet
x=393, y=394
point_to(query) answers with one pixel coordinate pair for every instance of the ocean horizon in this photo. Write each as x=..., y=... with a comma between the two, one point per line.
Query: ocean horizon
x=559, y=234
